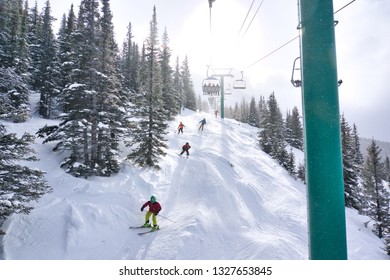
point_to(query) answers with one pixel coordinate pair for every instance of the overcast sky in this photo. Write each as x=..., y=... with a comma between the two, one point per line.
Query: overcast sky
x=362, y=47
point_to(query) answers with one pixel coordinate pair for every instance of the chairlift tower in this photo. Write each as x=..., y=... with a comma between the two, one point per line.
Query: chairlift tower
x=321, y=119
x=214, y=85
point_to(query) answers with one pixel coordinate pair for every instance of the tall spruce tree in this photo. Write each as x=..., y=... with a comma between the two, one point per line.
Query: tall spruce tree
x=253, y=115
x=352, y=193
x=376, y=194
x=93, y=101
x=130, y=63
x=35, y=50
x=19, y=184
x=294, y=129
x=188, y=87
x=148, y=143
x=49, y=72
x=170, y=96
x=13, y=96
x=178, y=85
x=66, y=49
x=271, y=137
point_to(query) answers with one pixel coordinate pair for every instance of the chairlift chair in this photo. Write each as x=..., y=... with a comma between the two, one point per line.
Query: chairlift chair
x=210, y=86
x=240, y=83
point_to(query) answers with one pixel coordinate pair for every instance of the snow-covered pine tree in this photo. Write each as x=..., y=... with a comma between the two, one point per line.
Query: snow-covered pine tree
x=294, y=129
x=262, y=109
x=386, y=176
x=49, y=72
x=170, y=96
x=352, y=194
x=377, y=196
x=301, y=173
x=35, y=51
x=188, y=87
x=236, y=112
x=271, y=137
x=94, y=114
x=253, y=116
x=178, y=85
x=13, y=96
x=109, y=120
x=66, y=47
x=130, y=64
x=148, y=143
x=18, y=184
x=244, y=111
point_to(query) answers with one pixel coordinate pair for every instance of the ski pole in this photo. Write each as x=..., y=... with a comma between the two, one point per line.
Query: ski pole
x=166, y=218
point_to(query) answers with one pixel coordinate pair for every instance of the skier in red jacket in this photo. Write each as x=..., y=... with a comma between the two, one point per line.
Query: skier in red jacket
x=154, y=209
x=180, y=128
x=185, y=148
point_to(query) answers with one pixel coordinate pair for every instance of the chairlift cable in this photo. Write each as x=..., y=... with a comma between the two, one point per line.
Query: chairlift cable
x=243, y=23
x=293, y=39
x=344, y=6
x=249, y=25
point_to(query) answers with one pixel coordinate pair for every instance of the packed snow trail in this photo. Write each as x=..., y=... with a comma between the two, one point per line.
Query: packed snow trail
x=228, y=200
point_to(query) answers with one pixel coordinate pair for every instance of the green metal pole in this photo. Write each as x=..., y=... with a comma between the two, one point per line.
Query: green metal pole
x=222, y=97
x=324, y=174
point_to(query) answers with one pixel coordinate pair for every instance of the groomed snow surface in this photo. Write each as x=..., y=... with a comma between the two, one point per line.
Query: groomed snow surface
x=227, y=201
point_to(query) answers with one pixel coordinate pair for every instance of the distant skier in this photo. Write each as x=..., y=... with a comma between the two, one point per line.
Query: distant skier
x=185, y=148
x=180, y=128
x=154, y=209
x=202, y=123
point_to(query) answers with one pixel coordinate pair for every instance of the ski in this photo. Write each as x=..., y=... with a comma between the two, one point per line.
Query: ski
x=146, y=232
x=137, y=227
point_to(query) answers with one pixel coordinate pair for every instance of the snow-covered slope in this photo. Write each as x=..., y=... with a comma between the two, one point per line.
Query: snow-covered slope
x=228, y=200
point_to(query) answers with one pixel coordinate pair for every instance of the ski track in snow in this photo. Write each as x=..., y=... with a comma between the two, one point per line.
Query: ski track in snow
x=228, y=200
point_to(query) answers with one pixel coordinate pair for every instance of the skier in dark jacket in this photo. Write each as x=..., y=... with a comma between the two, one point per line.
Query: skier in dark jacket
x=185, y=148
x=202, y=123
x=154, y=209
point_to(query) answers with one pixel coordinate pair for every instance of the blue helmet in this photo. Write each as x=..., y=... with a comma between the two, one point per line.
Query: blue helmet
x=153, y=199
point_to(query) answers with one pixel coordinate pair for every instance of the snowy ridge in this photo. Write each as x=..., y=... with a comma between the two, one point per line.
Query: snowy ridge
x=228, y=200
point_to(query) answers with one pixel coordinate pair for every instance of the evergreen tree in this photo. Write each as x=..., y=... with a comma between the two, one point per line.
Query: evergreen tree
x=377, y=196
x=356, y=151
x=262, y=109
x=148, y=138
x=170, y=96
x=178, y=85
x=111, y=101
x=386, y=176
x=130, y=63
x=294, y=129
x=18, y=184
x=49, y=68
x=13, y=96
x=290, y=164
x=253, y=115
x=66, y=52
x=93, y=103
x=301, y=173
x=271, y=137
x=4, y=33
x=35, y=50
x=244, y=111
x=351, y=191
x=236, y=112
x=188, y=87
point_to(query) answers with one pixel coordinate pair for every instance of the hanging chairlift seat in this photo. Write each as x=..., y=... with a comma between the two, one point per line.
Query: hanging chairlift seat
x=239, y=84
x=210, y=86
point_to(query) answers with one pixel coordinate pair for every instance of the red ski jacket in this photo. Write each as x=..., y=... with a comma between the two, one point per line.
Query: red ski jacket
x=186, y=147
x=153, y=207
